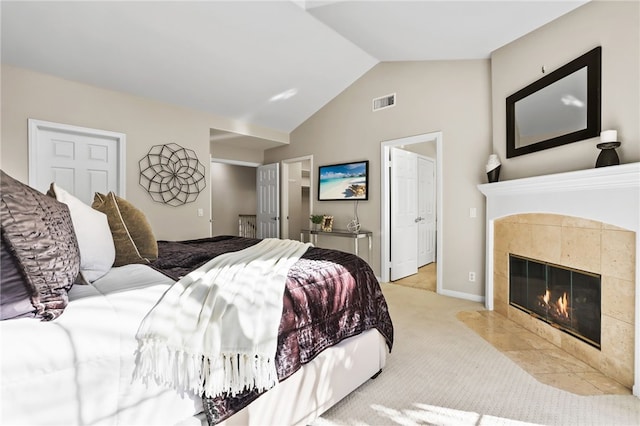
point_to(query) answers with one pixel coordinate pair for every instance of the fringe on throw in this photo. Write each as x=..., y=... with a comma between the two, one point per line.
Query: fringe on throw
x=223, y=374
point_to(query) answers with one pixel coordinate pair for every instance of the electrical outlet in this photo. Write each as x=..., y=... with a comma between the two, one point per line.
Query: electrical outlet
x=200, y=212
x=472, y=277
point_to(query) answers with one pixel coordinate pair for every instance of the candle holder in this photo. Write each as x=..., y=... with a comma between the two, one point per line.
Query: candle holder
x=493, y=168
x=608, y=155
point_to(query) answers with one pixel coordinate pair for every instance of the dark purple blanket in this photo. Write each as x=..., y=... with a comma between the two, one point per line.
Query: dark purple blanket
x=329, y=296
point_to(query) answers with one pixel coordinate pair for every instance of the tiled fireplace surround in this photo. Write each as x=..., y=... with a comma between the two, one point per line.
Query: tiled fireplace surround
x=587, y=220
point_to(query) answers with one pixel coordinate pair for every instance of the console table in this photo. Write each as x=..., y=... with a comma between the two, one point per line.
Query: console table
x=356, y=236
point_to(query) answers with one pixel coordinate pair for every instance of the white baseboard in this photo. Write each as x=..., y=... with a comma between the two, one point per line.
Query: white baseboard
x=461, y=295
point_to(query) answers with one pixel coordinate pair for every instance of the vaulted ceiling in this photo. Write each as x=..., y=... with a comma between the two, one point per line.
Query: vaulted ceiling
x=267, y=63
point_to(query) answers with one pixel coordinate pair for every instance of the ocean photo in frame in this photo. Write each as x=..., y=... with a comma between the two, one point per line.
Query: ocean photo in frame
x=344, y=182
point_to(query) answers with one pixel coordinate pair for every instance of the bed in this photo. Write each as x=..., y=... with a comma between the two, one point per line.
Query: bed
x=77, y=367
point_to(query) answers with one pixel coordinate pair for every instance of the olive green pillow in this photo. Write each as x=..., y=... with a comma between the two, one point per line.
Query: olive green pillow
x=132, y=234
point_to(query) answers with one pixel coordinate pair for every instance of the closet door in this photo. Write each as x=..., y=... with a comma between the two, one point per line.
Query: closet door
x=83, y=161
x=268, y=191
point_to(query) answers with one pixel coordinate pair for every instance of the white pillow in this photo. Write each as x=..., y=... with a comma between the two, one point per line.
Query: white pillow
x=97, y=251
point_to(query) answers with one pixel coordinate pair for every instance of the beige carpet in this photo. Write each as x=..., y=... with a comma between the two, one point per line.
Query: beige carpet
x=442, y=373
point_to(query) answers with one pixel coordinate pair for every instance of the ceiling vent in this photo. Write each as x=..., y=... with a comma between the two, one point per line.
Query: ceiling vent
x=384, y=102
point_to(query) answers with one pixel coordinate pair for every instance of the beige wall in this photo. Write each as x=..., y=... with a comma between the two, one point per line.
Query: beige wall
x=233, y=192
x=26, y=94
x=448, y=96
x=614, y=25
x=428, y=149
x=463, y=99
x=229, y=152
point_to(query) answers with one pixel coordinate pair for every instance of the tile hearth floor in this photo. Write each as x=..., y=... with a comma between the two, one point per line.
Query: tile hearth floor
x=541, y=359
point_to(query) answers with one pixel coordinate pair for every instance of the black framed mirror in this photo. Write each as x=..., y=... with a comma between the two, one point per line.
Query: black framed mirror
x=560, y=108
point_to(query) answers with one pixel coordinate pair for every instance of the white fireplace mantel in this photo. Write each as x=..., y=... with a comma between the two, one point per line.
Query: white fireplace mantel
x=608, y=194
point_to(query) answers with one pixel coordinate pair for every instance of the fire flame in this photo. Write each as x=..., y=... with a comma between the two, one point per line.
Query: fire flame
x=561, y=306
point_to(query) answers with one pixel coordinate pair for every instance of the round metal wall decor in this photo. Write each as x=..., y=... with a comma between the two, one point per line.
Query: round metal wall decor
x=172, y=174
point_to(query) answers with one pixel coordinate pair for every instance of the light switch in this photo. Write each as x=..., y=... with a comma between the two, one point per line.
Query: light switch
x=200, y=212
x=473, y=212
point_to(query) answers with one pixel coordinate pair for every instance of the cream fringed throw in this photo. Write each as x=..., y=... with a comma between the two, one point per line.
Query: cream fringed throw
x=216, y=330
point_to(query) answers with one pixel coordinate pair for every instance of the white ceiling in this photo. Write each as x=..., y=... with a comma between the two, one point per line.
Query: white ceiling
x=267, y=63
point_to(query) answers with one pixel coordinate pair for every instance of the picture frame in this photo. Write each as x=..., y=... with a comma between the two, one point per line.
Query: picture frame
x=327, y=223
x=344, y=181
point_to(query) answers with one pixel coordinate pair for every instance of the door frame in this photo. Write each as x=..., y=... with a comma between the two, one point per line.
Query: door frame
x=284, y=189
x=385, y=217
x=35, y=126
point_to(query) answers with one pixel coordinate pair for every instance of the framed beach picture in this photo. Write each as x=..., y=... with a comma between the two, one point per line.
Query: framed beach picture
x=344, y=181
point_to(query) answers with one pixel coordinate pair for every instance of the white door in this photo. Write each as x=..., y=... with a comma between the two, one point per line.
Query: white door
x=404, y=214
x=80, y=160
x=426, y=210
x=268, y=190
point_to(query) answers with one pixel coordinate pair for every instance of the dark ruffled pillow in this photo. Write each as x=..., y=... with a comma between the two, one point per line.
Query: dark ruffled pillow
x=16, y=299
x=132, y=233
x=38, y=232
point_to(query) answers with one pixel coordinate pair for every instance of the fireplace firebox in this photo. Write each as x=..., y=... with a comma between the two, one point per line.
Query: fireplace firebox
x=566, y=298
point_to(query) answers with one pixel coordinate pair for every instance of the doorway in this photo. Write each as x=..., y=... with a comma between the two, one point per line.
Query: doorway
x=237, y=184
x=387, y=199
x=297, y=195
x=426, y=208
x=233, y=194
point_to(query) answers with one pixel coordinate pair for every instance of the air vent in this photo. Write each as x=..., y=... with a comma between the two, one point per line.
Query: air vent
x=384, y=102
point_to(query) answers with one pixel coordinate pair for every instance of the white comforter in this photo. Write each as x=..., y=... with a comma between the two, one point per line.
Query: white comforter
x=78, y=368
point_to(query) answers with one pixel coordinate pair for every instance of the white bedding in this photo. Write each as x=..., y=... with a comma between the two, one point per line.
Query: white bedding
x=78, y=368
